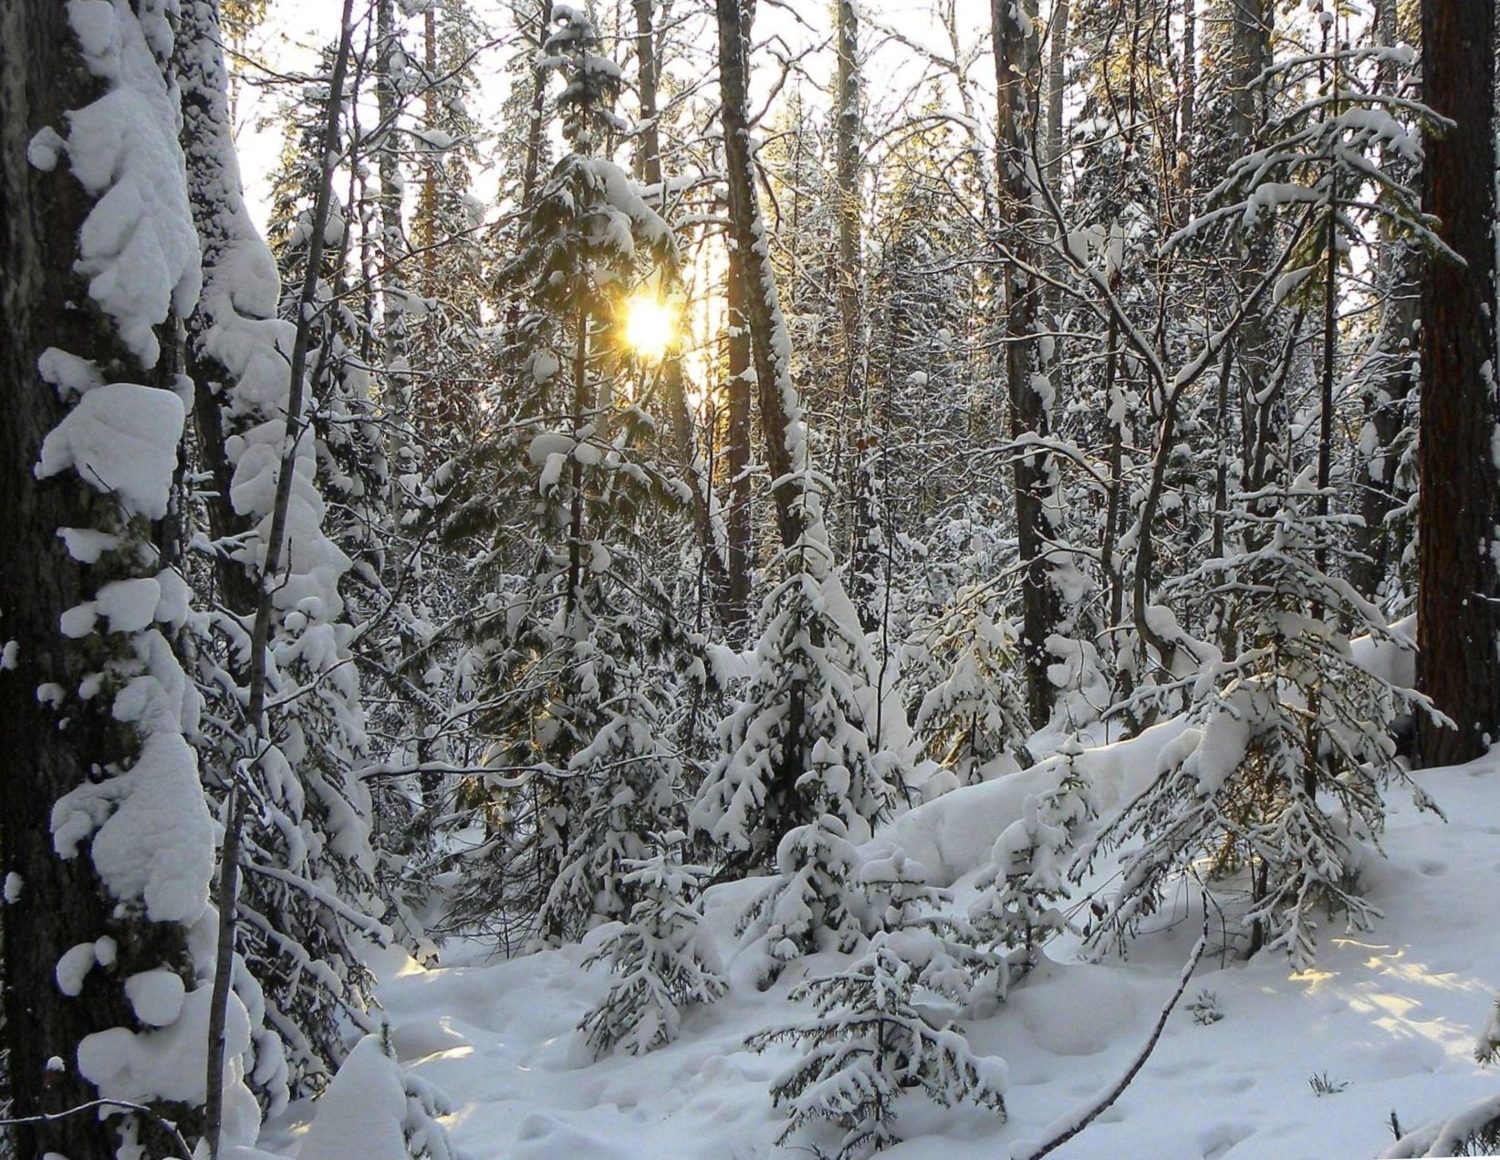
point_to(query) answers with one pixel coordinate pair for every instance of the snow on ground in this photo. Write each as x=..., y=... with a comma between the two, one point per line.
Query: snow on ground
x=1388, y=1019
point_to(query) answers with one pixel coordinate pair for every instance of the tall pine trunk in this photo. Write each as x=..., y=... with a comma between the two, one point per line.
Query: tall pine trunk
x=60, y=729
x=1458, y=597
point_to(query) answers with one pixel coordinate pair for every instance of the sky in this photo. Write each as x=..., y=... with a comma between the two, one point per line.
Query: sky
x=294, y=29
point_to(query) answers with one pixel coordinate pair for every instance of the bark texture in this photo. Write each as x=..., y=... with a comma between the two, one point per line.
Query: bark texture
x=1017, y=70
x=1458, y=601
x=52, y=739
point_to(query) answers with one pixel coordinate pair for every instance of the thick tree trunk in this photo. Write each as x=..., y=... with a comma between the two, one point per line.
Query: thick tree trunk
x=53, y=739
x=1458, y=598
x=204, y=141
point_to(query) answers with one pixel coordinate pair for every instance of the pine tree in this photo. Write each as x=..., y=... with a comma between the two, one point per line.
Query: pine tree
x=106, y=833
x=1458, y=634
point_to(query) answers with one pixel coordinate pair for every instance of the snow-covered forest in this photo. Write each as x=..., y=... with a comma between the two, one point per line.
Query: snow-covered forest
x=694, y=580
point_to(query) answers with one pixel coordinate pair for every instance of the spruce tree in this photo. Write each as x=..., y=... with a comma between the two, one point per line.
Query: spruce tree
x=660, y=960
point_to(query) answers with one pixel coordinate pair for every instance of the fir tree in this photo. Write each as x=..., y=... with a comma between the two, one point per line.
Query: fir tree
x=661, y=961
x=1280, y=775
x=1017, y=905
x=975, y=714
x=868, y=1045
x=798, y=746
x=577, y=630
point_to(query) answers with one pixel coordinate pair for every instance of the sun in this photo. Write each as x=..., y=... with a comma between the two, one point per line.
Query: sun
x=650, y=326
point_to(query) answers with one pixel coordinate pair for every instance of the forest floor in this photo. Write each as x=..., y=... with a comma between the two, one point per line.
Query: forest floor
x=1299, y=1065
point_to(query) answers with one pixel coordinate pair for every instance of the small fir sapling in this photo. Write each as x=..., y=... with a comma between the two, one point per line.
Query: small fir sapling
x=868, y=1044
x=661, y=960
x=806, y=908
x=1487, y=1049
x=1205, y=1009
x=976, y=712
x=623, y=786
x=798, y=746
x=947, y=952
x=1017, y=905
x=373, y=1110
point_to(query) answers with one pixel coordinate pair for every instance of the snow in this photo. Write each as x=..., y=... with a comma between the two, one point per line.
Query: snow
x=44, y=149
x=361, y=1114
x=129, y=605
x=137, y=245
x=73, y=968
x=1391, y=1013
x=70, y=374
x=953, y=835
x=86, y=545
x=156, y=996
x=169, y=1063
x=121, y=438
x=153, y=839
x=14, y=884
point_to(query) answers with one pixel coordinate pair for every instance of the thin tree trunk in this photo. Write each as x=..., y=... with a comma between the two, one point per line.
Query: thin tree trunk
x=1378, y=547
x=737, y=451
x=296, y=427
x=1017, y=67
x=397, y=375
x=1057, y=59
x=649, y=169
x=780, y=410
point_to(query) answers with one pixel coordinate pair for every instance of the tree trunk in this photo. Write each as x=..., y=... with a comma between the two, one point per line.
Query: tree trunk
x=1262, y=403
x=648, y=169
x=1017, y=66
x=737, y=452
x=1057, y=59
x=1458, y=598
x=1385, y=397
x=53, y=739
x=780, y=410
x=397, y=390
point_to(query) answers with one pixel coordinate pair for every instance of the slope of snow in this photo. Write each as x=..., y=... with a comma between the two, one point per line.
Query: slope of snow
x=1388, y=1019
